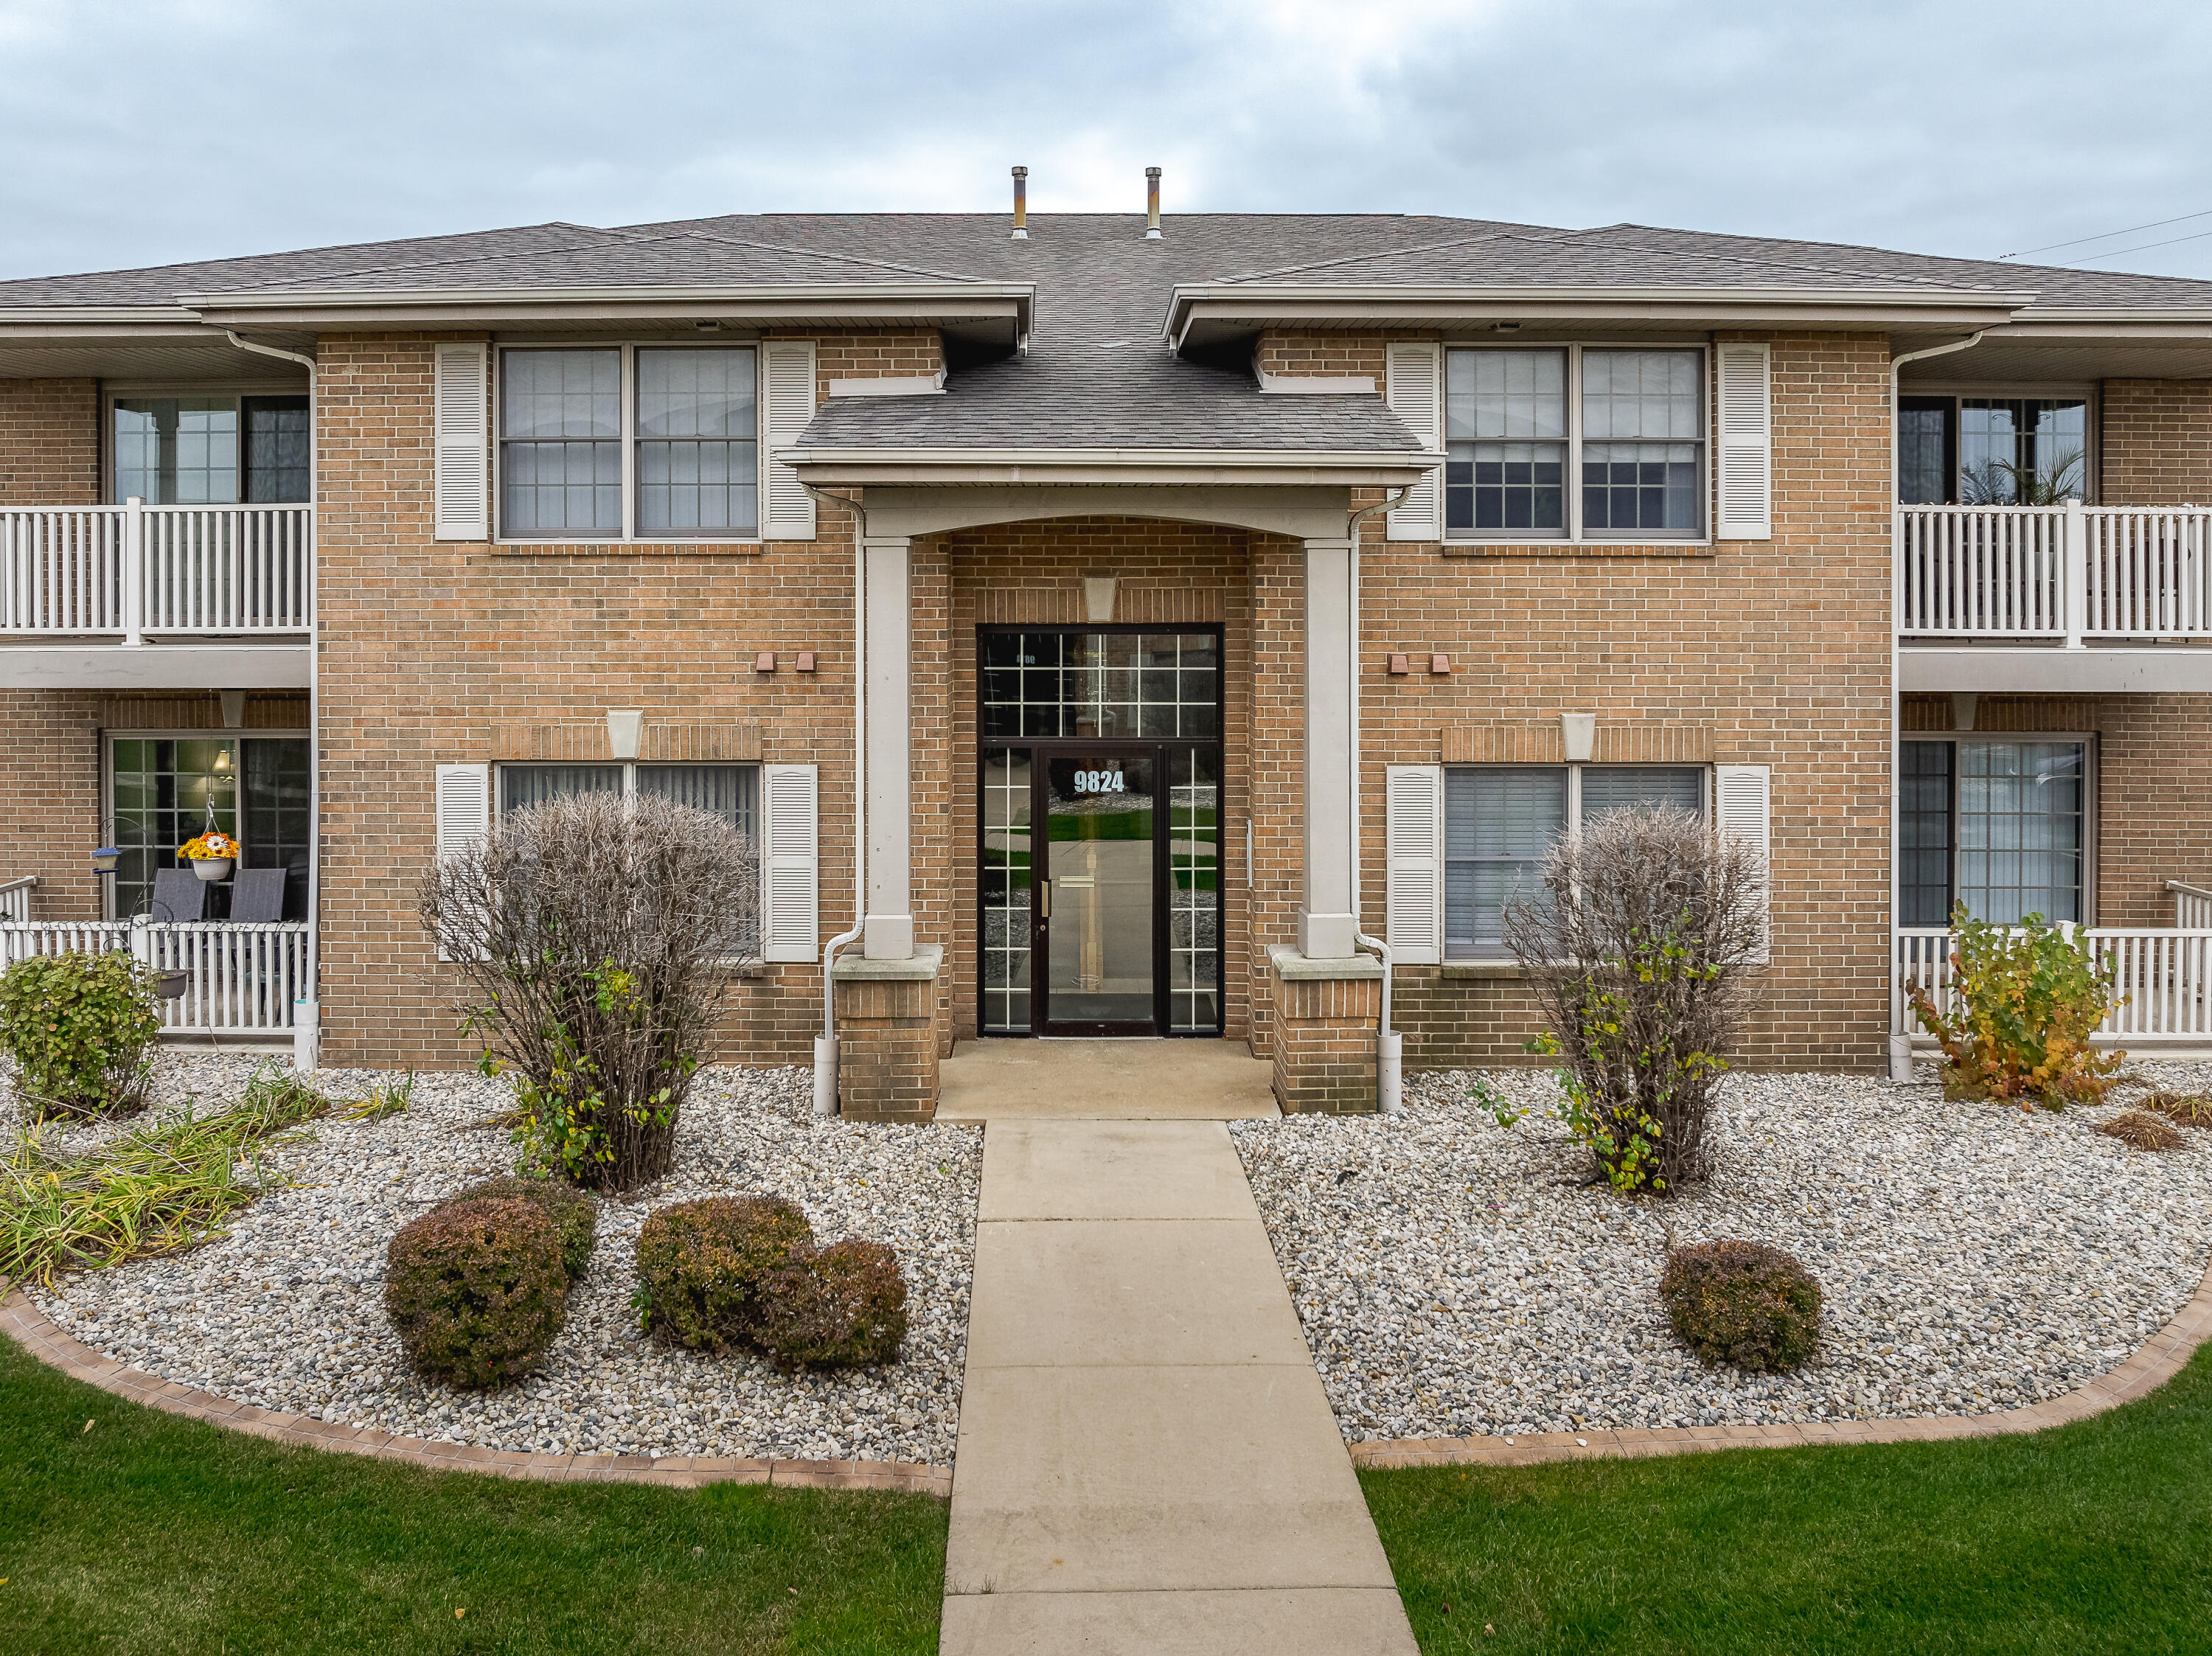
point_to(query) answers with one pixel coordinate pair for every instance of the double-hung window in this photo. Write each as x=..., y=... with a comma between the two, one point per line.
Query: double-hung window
x=729, y=792
x=1501, y=821
x=210, y=451
x=2000, y=826
x=610, y=442
x=1573, y=442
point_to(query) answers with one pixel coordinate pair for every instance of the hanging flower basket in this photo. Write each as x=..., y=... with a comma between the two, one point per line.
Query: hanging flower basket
x=170, y=985
x=211, y=855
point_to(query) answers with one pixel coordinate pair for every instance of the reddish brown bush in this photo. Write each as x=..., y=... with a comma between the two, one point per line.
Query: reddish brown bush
x=834, y=1307
x=699, y=1265
x=1742, y=1303
x=574, y=1213
x=476, y=1290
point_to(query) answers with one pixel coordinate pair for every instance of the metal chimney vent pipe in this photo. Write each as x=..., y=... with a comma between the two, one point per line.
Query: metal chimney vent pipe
x=1021, y=203
x=1152, y=203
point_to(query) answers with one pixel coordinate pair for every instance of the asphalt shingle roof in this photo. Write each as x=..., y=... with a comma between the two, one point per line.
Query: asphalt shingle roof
x=1096, y=374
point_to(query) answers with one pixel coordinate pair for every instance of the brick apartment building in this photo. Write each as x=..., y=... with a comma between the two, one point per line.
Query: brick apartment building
x=1108, y=632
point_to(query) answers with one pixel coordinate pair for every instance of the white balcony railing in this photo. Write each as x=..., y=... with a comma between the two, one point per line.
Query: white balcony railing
x=15, y=897
x=239, y=979
x=2071, y=572
x=2192, y=905
x=2164, y=978
x=137, y=569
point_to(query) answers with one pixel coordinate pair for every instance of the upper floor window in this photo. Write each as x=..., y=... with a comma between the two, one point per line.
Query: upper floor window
x=1992, y=450
x=618, y=440
x=217, y=450
x=1574, y=441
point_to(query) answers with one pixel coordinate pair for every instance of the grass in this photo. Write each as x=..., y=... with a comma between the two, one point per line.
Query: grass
x=2096, y=1537
x=163, y=1185
x=150, y=1535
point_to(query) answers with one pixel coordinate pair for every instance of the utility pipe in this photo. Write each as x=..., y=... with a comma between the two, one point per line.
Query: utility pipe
x=1900, y=1039
x=1389, y=1044
x=825, y=1044
x=307, y=1019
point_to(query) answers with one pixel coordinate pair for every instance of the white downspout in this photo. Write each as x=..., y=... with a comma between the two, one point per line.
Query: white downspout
x=1389, y=1044
x=825, y=1044
x=306, y=1014
x=1900, y=1040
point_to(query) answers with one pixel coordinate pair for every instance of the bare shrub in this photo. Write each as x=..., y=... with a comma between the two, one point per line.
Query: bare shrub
x=1639, y=949
x=592, y=935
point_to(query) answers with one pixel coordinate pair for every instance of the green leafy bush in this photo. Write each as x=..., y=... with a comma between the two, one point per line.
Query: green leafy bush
x=701, y=1266
x=476, y=1290
x=81, y=1029
x=574, y=1213
x=1742, y=1303
x=834, y=1307
x=2029, y=1000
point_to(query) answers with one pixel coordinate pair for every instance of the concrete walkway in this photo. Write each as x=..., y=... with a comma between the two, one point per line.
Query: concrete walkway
x=1147, y=1461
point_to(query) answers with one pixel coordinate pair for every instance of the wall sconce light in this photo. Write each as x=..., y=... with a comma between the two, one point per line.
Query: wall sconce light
x=1439, y=663
x=764, y=662
x=1400, y=666
x=624, y=726
x=1579, y=733
x=805, y=663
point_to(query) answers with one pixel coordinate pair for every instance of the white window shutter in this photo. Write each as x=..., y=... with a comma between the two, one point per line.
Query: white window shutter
x=1413, y=841
x=787, y=405
x=1743, y=809
x=460, y=445
x=790, y=863
x=464, y=811
x=1414, y=388
x=1746, y=443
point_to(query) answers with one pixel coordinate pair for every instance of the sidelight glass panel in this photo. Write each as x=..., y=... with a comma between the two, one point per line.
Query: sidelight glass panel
x=277, y=449
x=1193, y=893
x=1006, y=887
x=279, y=824
x=1923, y=832
x=1100, y=864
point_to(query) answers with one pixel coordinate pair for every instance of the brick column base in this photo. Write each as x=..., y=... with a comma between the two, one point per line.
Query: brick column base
x=887, y=1037
x=1326, y=1014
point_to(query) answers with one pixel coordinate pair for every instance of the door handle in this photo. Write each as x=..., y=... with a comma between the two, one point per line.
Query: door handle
x=1044, y=900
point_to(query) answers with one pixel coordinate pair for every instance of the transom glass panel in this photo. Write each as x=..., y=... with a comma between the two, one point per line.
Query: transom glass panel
x=1086, y=685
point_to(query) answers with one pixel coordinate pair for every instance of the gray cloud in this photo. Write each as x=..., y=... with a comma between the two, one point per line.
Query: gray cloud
x=142, y=133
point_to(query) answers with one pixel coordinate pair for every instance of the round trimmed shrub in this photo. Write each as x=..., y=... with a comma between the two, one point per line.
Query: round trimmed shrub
x=699, y=1265
x=574, y=1213
x=476, y=1290
x=1742, y=1303
x=81, y=1029
x=834, y=1307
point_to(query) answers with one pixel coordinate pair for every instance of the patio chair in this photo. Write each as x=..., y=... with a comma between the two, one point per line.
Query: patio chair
x=178, y=894
x=256, y=895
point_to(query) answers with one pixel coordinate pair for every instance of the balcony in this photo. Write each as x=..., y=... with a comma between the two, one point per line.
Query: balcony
x=142, y=597
x=230, y=979
x=2056, y=598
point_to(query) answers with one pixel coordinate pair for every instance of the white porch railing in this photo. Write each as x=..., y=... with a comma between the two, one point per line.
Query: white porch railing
x=239, y=979
x=2192, y=905
x=16, y=898
x=2071, y=573
x=137, y=569
x=2164, y=975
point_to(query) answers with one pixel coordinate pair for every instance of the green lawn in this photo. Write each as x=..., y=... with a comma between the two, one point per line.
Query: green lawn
x=2096, y=1536
x=150, y=1534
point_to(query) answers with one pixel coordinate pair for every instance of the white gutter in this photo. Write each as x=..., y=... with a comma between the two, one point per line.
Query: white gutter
x=825, y=1044
x=1900, y=1043
x=306, y=1014
x=1389, y=1045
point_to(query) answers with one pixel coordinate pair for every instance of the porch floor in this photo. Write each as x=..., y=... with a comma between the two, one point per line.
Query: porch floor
x=1015, y=1080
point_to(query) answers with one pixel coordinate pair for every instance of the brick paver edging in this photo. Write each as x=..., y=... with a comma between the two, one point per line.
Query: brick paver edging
x=23, y=1322
x=2156, y=1362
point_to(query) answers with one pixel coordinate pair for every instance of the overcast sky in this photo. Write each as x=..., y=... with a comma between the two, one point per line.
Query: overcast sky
x=157, y=130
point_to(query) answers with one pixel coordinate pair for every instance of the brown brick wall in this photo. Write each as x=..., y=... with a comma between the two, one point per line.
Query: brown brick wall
x=1288, y=354
x=2153, y=774
x=887, y=1051
x=1323, y=1045
x=1766, y=652
x=2156, y=446
x=49, y=442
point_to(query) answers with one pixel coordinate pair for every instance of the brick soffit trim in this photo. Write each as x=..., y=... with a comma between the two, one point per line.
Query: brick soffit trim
x=29, y=1328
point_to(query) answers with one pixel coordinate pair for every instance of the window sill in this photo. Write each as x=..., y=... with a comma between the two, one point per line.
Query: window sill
x=1503, y=971
x=732, y=549
x=1703, y=549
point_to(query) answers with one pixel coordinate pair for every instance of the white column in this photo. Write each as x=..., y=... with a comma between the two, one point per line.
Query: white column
x=1326, y=922
x=889, y=927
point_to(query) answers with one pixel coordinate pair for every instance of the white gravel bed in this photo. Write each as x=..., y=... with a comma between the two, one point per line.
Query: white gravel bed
x=285, y=1312
x=1454, y=1277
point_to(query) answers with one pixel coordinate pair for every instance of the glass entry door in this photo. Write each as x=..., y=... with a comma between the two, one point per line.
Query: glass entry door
x=1097, y=894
